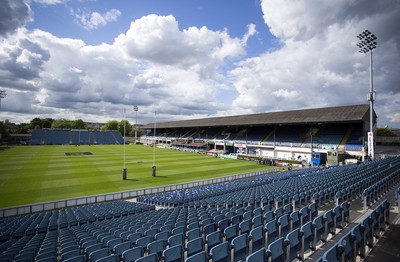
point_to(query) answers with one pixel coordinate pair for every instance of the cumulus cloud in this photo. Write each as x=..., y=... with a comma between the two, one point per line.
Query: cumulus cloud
x=94, y=20
x=14, y=14
x=159, y=40
x=176, y=75
x=318, y=64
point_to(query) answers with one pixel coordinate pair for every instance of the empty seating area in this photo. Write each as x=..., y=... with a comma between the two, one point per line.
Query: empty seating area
x=75, y=137
x=288, y=216
x=319, y=136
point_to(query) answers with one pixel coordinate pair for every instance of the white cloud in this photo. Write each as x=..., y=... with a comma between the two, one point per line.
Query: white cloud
x=318, y=64
x=50, y=2
x=158, y=39
x=181, y=73
x=176, y=75
x=94, y=20
x=284, y=93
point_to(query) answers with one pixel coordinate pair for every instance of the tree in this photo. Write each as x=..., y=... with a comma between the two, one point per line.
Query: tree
x=47, y=122
x=78, y=124
x=384, y=132
x=61, y=123
x=36, y=123
x=3, y=130
x=128, y=127
x=111, y=125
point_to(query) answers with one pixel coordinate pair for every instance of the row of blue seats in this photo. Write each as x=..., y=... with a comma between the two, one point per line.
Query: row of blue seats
x=66, y=137
x=321, y=185
x=374, y=192
x=364, y=235
x=17, y=227
x=266, y=242
x=187, y=227
x=179, y=197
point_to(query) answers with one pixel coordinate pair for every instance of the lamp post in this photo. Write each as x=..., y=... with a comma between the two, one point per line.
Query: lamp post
x=3, y=94
x=154, y=168
x=124, y=171
x=135, y=108
x=367, y=44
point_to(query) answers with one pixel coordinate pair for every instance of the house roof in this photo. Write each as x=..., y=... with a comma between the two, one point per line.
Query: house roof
x=339, y=114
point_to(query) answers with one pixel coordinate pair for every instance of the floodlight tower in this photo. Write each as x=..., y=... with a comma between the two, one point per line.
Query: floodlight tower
x=367, y=44
x=136, y=109
x=3, y=94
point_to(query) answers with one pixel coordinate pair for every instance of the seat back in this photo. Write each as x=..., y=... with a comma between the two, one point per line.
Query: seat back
x=240, y=247
x=173, y=254
x=194, y=246
x=221, y=252
x=276, y=250
x=132, y=254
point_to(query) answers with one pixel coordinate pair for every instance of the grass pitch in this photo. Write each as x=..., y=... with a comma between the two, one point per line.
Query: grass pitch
x=33, y=174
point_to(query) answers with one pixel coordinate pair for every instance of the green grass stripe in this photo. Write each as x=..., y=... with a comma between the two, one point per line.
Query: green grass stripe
x=32, y=174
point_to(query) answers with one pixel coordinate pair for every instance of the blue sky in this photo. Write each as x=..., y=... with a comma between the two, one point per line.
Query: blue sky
x=215, y=15
x=89, y=59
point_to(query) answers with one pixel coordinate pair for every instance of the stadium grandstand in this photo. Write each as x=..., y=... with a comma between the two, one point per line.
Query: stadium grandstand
x=329, y=134
x=340, y=213
x=74, y=137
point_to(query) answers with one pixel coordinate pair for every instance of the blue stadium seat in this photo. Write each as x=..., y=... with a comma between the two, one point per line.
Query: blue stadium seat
x=240, y=247
x=148, y=258
x=245, y=226
x=221, y=252
x=193, y=234
x=271, y=232
x=144, y=241
x=284, y=225
x=276, y=250
x=209, y=228
x=346, y=248
x=213, y=239
x=230, y=233
x=98, y=254
x=304, y=215
x=199, y=257
x=307, y=238
x=319, y=230
x=357, y=235
x=332, y=254
x=257, y=238
x=329, y=223
x=156, y=247
x=92, y=248
x=121, y=248
x=293, y=241
x=194, y=246
x=295, y=220
x=173, y=254
x=178, y=239
x=132, y=254
x=110, y=258
x=338, y=217
x=257, y=256
x=269, y=216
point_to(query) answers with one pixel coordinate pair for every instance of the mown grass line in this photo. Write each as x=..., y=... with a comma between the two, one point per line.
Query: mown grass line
x=32, y=174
